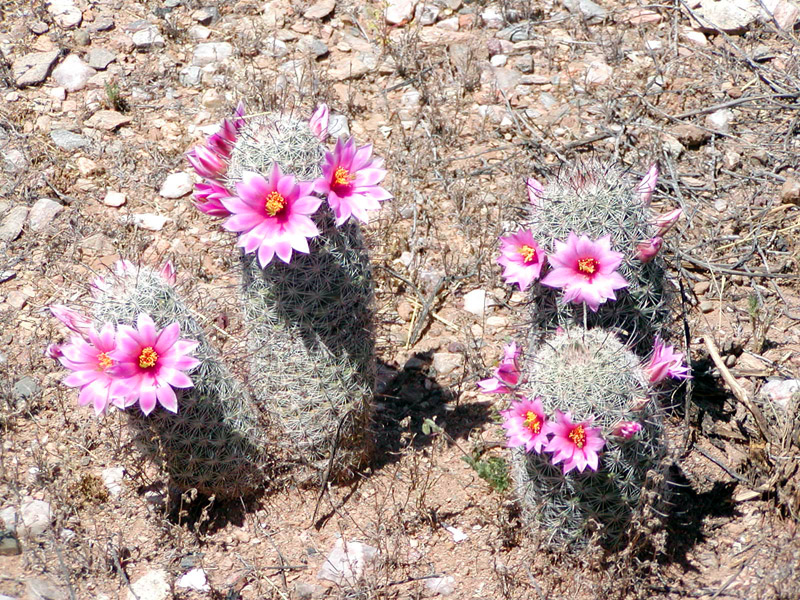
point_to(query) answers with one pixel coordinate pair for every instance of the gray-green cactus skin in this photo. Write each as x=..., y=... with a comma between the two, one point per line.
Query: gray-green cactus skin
x=598, y=199
x=309, y=321
x=217, y=442
x=590, y=373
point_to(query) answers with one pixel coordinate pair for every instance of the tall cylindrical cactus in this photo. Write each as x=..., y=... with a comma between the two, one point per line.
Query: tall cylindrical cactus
x=591, y=388
x=216, y=442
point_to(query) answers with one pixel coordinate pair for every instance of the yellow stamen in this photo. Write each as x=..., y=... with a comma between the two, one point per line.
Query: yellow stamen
x=275, y=203
x=104, y=361
x=578, y=436
x=533, y=422
x=588, y=265
x=148, y=358
x=528, y=254
x=343, y=177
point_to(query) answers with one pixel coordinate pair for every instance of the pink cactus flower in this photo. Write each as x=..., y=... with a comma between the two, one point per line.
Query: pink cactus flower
x=627, y=429
x=100, y=285
x=521, y=257
x=167, y=272
x=667, y=221
x=206, y=162
x=208, y=198
x=272, y=215
x=53, y=351
x=319, y=122
x=91, y=362
x=535, y=191
x=586, y=270
x=74, y=320
x=239, y=120
x=223, y=141
x=647, y=250
x=647, y=185
x=576, y=444
x=150, y=363
x=506, y=376
x=665, y=362
x=526, y=425
x=350, y=180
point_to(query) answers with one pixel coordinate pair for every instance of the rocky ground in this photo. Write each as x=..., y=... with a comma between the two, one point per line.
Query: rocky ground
x=464, y=99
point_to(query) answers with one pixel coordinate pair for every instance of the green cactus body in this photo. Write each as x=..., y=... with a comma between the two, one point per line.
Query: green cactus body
x=310, y=320
x=590, y=374
x=595, y=199
x=216, y=442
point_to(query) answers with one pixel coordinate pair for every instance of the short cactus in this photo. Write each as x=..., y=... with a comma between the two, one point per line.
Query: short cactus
x=216, y=442
x=591, y=375
x=596, y=200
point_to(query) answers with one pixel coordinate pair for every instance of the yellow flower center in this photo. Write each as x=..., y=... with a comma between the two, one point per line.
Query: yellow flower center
x=104, y=361
x=588, y=266
x=528, y=254
x=343, y=177
x=533, y=422
x=148, y=358
x=578, y=437
x=275, y=203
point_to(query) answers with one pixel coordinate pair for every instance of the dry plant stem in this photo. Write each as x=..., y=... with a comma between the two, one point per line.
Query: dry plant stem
x=738, y=390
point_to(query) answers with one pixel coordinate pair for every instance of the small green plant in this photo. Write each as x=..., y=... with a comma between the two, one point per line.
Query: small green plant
x=115, y=99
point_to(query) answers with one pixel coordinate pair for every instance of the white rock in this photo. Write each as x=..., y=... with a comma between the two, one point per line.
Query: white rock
x=42, y=213
x=444, y=586
x=347, y=562
x=176, y=185
x=338, y=127
x=14, y=161
x=112, y=478
x=194, y=580
x=199, y=33
x=72, y=74
x=12, y=223
x=591, y=11
x=399, y=11
x=446, y=362
x=65, y=13
x=114, y=199
x=210, y=53
x=475, y=302
x=731, y=16
x=458, y=535
x=598, y=73
x=720, y=120
x=698, y=38
x=275, y=48
x=780, y=392
x=320, y=9
x=786, y=13
x=153, y=585
x=32, y=519
x=147, y=221
x=149, y=37
x=426, y=14
x=492, y=15
x=499, y=60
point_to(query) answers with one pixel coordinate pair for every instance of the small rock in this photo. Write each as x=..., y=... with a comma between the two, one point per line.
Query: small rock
x=12, y=224
x=671, y=144
x=498, y=60
x=780, y=391
x=26, y=387
x=176, y=185
x=103, y=23
x=347, y=562
x=338, y=127
x=33, y=69
x=701, y=287
x=352, y=67
x=114, y=199
x=66, y=140
x=100, y=58
x=112, y=478
x=598, y=73
x=210, y=53
x=41, y=589
x=32, y=520
x=153, y=585
x=405, y=310
x=194, y=580
x=97, y=244
x=88, y=167
x=790, y=191
x=720, y=120
x=307, y=591
x=9, y=545
x=191, y=76
x=313, y=46
x=14, y=161
x=81, y=37
x=107, y=120
x=206, y=15
x=591, y=11
x=320, y=10
x=147, y=221
x=731, y=160
x=706, y=306
x=39, y=27
x=492, y=17
x=730, y=16
x=147, y=38
x=721, y=205
x=275, y=48
x=65, y=13
x=458, y=535
x=399, y=11
x=475, y=302
x=42, y=213
x=444, y=586
x=785, y=13
x=698, y=38
x=446, y=362
x=640, y=16
x=199, y=33
x=426, y=14
x=691, y=135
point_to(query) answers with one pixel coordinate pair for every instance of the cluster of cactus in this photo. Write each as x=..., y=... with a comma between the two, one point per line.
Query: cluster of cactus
x=307, y=301
x=584, y=418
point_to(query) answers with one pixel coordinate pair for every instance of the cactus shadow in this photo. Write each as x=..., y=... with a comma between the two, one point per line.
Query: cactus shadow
x=407, y=399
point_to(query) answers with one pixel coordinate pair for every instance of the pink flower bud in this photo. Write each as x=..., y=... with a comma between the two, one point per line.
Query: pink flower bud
x=627, y=429
x=648, y=249
x=53, y=351
x=535, y=191
x=168, y=272
x=319, y=122
x=75, y=321
x=648, y=184
x=665, y=222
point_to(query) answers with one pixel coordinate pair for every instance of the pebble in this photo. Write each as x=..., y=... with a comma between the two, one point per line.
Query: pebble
x=147, y=38
x=691, y=135
x=191, y=76
x=275, y=48
x=26, y=387
x=32, y=520
x=338, y=127
x=176, y=185
x=87, y=167
x=347, y=562
x=210, y=53
x=780, y=391
x=81, y=37
x=9, y=545
x=103, y=23
x=731, y=16
x=706, y=306
x=39, y=27
x=199, y=33
x=591, y=11
x=206, y=15
x=313, y=46
x=790, y=191
x=446, y=362
x=42, y=589
x=67, y=140
x=114, y=199
x=153, y=585
x=320, y=9
x=42, y=213
x=399, y=11
x=194, y=580
x=426, y=14
x=112, y=478
x=701, y=287
x=444, y=586
x=98, y=244
x=147, y=221
x=107, y=120
x=100, y=58
x=14, y=161
x=475, y=302
x=720, y=120
x=12, y=224
x=33, y=69
x=65, y=13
